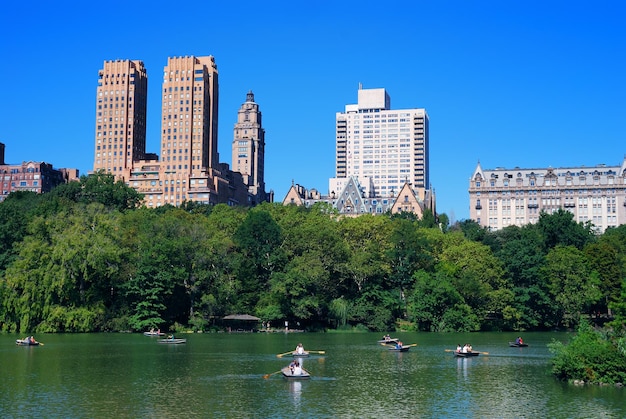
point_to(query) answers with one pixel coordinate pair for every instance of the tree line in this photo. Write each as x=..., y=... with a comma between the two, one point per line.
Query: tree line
x=88, y=257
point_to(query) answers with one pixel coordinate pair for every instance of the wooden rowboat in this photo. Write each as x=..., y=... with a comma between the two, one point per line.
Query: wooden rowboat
x=153, y=334
x=466, y=354
x=26, y=342
x=391, y=340
x=517, y=345
x=172, y=341
x=289, y=375
x=403, y=349
x=302, y=355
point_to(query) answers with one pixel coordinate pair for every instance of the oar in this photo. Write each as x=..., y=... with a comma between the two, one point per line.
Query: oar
x=484, y=353
x=266, y=376
x=449, y=350
x=317, y=352
x=40, y=344
x=406, y=346
x=281, y=355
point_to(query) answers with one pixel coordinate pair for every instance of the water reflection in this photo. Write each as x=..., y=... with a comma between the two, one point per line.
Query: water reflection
x=461, y=366
x=295, y=388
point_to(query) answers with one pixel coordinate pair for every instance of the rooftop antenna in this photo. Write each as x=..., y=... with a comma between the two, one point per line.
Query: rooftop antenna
x=360, y=86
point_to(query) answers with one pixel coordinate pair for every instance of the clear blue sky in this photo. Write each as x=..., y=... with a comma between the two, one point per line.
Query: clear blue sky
x=506, y=83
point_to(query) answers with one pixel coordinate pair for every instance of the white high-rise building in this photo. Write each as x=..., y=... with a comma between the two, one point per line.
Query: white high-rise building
x=383, y=148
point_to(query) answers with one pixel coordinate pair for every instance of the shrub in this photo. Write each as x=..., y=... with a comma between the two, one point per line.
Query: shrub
x=590, y=356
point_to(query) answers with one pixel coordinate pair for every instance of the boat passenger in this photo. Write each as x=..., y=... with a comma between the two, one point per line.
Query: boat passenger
x=458, y=347
x=171, y=337
x=399, y=345
x=300, y=349
x=469, y=348
x=465, y=348
x=387, y=337
x=297, y=369
x=519, y=340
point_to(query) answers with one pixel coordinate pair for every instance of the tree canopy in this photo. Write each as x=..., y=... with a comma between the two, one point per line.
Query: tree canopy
x=88, y=257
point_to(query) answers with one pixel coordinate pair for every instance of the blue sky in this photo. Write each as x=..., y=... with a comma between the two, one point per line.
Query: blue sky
x=528, y=84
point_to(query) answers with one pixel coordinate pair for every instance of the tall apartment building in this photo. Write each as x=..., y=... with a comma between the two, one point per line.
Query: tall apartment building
x=382, y=147
x=248, y=148
x=503, y=197
x=189, y=115
x=189, y=168
x=121, y=103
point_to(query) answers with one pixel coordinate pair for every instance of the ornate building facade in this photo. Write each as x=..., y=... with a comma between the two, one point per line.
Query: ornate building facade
x=249, y=148
x=503, y=197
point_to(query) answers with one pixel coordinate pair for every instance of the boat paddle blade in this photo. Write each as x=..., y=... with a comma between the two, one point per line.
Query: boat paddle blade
x=266, y=376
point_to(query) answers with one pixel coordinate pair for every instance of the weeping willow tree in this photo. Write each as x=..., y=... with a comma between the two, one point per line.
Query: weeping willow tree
x=338, y=310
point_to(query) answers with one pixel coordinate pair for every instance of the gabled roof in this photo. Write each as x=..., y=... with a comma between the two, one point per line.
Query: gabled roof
x=408, y=201
x=350, y=199
x=293, y=197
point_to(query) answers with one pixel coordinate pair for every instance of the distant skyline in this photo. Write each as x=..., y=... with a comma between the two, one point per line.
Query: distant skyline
x=529, y=84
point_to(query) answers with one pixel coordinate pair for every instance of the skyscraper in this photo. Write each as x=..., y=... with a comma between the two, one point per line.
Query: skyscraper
x=189, y=154
x=121, y=104
x=249, y=148
x=189, y=115
x=383, y=148
x=189, y=168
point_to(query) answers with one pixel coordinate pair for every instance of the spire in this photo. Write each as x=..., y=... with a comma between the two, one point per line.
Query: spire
x=250, y=96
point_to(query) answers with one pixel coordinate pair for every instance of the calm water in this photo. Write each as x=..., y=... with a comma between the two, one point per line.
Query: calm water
x=221, y=376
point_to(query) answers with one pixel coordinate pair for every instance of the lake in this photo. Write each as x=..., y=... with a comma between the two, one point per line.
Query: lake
x=221, y=375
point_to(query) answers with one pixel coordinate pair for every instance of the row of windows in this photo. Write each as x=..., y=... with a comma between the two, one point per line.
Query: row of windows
x=21, y=184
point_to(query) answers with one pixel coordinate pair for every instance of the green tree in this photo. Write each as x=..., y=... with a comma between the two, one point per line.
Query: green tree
x=16, y=211
x=478, y=276
x=522, y=256
x=409, y=252
x=100, y=187
x=573, y=285
x=366, y=238
x=434, y=301
x=63, y=277
x=560, y=228
x=258, y=239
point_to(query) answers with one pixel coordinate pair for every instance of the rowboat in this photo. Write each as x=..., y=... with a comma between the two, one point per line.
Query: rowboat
x=517, y=345
x=289, y=375
x=26, y=342
x=172, y=341
x=390, y=340
x=466, y=354
x=403, y=349
x=302, y=355
x=153, y=334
